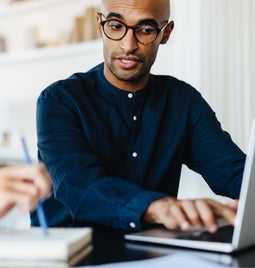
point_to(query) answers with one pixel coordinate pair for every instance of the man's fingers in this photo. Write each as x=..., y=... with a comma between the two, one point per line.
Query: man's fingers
x=207, y=211
x=191, y=212
x=226, y=211
x=177, y=217
x=24, y=202
x=182, y=214
x=5, y=207
x=35, y=173
x=207, y=215
x=173, y=213
x=42, y=180
x=165, y=211
x=234, y=204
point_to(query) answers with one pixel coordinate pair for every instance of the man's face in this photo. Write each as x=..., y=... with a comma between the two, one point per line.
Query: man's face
x=128, y=62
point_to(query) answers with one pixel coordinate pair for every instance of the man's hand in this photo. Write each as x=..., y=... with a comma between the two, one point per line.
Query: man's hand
x=23, y=186
x=183, y=214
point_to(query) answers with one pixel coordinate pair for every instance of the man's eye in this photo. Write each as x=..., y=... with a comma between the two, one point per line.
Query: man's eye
x=146, y=29
x=115, y=25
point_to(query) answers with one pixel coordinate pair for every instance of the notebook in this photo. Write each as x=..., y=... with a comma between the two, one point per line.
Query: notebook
x=63, y=247
x=228, y=239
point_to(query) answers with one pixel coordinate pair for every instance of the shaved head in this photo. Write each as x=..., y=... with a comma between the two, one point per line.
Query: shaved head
x=162, y=5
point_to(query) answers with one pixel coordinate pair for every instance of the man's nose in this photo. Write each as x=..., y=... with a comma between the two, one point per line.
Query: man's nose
x=129, y=42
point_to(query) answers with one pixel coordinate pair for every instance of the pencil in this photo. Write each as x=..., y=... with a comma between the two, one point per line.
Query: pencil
x=39, y=209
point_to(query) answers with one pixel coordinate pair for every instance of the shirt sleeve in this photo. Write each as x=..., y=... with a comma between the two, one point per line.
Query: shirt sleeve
x=211, y=152
x=80, y=183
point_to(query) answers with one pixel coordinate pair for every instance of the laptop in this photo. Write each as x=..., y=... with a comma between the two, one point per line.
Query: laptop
x=228, y=238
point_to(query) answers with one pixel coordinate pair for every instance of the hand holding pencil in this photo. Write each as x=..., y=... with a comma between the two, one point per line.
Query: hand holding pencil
x=16, y=188
x=39, y=209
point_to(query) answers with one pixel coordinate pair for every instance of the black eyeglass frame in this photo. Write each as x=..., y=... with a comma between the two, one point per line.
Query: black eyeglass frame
x=127, y=27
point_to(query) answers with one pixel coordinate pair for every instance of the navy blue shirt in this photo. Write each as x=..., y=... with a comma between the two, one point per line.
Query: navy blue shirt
x=111, y=152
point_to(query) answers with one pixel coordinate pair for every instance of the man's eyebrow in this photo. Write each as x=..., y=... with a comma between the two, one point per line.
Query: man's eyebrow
x=148, y=21
x=143, y=21
x=113, y=14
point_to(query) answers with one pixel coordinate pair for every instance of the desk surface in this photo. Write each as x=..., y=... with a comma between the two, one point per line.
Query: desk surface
x=110, y=246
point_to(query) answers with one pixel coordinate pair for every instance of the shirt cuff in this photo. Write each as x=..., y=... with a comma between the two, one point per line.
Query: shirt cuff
x=130, y=218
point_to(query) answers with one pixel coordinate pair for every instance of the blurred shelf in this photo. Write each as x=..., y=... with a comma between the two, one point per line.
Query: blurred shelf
x=27, y=6
x=48, y=53
x=31, y=13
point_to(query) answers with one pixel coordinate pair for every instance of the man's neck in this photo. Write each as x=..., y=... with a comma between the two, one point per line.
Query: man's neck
x=130, y=86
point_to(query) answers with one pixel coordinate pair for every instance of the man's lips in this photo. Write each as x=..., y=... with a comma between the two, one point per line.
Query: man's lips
x=128, y=62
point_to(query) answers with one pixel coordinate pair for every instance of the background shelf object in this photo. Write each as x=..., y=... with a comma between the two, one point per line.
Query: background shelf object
x=46, y=23
x=3, y=46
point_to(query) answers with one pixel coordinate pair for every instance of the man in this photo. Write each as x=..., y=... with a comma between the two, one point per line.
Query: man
x=114, y=139
x=23, y=186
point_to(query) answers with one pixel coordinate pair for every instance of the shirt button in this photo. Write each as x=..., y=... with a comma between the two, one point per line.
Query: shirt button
x=132, y=225
x=135, y=118
x=134, y=154
x=130, y=95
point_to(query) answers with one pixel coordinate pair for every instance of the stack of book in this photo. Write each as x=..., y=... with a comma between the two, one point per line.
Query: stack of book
x=62, y=247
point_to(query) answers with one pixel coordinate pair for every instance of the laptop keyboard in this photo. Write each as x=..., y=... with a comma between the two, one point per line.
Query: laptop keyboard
x=223, y=235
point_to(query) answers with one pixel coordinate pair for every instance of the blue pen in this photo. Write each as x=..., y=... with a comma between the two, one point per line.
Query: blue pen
x=39, y=209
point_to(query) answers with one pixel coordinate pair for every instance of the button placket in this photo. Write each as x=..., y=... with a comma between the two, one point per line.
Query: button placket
x=134, y=153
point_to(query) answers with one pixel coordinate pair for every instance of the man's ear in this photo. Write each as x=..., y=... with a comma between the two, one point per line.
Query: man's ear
x=167, y=32
x=99, y=26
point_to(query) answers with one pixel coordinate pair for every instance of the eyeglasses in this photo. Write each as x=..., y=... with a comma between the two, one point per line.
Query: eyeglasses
x=144, y=33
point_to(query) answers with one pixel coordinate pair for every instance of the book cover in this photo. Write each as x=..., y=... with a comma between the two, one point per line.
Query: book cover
x=63, y=246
